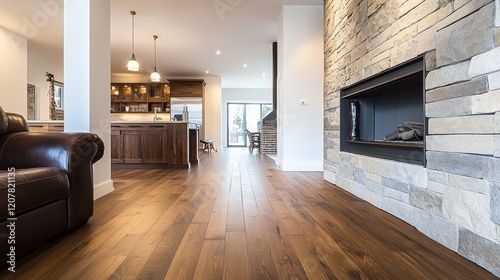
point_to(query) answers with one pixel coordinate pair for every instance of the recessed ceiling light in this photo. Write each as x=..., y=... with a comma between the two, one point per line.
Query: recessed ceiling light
x=263, y=74
x=207, y=72
x=245, y=65
x=217, y=52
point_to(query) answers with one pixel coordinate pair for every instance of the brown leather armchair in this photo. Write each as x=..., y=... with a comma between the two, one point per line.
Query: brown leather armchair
x=46, y=183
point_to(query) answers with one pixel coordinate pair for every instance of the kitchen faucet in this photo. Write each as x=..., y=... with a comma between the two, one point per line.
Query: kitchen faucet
x=156, y=117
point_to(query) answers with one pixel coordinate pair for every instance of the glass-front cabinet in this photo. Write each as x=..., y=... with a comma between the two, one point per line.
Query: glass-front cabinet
x=140, y=98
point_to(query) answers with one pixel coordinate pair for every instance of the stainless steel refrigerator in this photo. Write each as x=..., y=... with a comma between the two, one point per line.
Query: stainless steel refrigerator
x=195, y=111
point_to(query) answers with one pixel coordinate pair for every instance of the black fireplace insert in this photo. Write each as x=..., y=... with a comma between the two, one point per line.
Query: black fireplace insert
x=384, y=115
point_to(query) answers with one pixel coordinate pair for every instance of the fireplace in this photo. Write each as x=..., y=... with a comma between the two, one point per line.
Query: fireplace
x=377, y=114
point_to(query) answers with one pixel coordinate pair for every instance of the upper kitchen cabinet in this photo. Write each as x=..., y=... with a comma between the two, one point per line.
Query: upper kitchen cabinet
x=187, y=88
x=140, y=98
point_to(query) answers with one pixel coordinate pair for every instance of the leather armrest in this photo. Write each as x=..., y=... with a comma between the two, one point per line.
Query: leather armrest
x=73, y=152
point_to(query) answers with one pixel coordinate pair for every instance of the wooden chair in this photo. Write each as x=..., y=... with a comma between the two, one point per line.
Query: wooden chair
x=253, y=140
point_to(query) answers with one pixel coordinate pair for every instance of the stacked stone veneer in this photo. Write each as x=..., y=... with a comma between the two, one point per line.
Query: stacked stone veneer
x=455, y=199
x=269, y=139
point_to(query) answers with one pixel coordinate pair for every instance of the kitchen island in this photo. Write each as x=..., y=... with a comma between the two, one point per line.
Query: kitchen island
x=154, y=144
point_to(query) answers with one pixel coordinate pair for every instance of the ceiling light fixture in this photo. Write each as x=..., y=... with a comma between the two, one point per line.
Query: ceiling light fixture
x=245, y=65
x=132, y=64
x=217, y=52
x=155, y=76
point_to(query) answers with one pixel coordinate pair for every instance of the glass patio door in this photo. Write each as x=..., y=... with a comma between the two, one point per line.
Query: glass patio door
x=241, y=116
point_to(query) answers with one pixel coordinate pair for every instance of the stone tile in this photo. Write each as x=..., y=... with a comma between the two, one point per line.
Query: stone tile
x=493, y=173
x=373, y=198
x=497, y=36
x=497, y=145
x=498, y=233
x=449, y=108
x=358, y=190
x=380, y=38
x=397, y=208
x=373, y=7
x=398, y=195
x=395, y=184
x=482, y=124
x=479, y=250
x=436, y=187
x=472, y=144
x=448, y=75
x=485, y=63
x=359, y=51
x=496, y=123
x=464, y=11
x=432, y=19
x=437, y=228
x=469, y=184
x=383, y=17
x=373, y=177
x=359, y=175
x=427, y=200
x=467, y=37
x=430, y=61
x=437, y=176
x=469, y=209
x=408, y=6
x=346, y=168
x=495, y=203
x=418, y=13
x=494, y=80
x=473, y=87
x=426, y=41
x=374, y=187
x=474, y=166
x=486, y=103
x=330, y=176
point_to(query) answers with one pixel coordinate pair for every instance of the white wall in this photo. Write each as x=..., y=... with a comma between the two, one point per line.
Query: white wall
x=37, y=67
x=13, y=78
x=212, y=101
x=240, y=95
x=300, y=77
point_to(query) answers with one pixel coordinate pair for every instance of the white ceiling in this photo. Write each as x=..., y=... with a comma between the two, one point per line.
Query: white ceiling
x=189, y=33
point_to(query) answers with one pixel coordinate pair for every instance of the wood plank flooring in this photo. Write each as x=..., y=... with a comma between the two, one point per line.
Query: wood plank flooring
x=236, y=216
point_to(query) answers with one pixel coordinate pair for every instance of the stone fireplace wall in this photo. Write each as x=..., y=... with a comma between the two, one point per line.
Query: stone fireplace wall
x=455, y=198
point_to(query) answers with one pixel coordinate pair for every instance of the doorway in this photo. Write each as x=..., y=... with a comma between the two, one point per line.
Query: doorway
x=241, y=116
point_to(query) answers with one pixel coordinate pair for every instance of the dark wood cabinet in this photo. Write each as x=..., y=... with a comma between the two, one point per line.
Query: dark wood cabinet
x=173, y=144
x=154, y=149
x=132, y=146
x=140, y=98
x=116, y=146
x=187, y=88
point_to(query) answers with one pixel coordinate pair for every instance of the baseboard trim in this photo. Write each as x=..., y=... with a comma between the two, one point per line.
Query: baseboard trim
x=103, y=189
x=301, y=165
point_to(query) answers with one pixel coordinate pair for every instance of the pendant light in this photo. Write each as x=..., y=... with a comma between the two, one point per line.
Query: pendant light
x=132, y=64
x=155, y=76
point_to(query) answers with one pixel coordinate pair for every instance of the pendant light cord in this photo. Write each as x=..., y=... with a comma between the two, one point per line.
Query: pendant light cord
x=133, y=35
x=155, y=37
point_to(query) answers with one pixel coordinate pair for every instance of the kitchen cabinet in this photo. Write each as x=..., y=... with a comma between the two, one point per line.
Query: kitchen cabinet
x=187, y=88
x=140, y=98
x=173, y=144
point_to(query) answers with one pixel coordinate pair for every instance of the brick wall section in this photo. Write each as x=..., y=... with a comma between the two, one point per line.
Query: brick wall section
x=268, y=139
x=455, y=199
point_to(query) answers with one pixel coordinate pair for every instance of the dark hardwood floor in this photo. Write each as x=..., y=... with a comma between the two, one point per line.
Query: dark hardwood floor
x=236, y=216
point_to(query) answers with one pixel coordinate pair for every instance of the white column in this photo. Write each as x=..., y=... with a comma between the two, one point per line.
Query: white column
x=87, y=74
x=300, y=88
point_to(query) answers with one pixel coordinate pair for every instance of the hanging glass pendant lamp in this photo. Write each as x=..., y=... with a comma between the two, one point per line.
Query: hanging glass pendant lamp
x=132, y=64
x=155, y=76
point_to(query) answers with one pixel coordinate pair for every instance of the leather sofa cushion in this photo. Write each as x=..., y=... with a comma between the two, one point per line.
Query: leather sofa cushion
x=4, y=122
x=35, y=187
